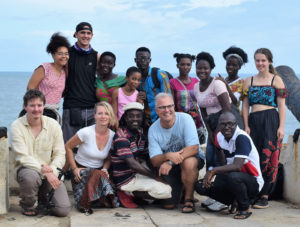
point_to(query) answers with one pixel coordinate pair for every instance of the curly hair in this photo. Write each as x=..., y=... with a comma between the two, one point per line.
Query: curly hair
x=56, y=41
x=236, y=52
x=207, y=57
x=180, y=56
x=107, y=53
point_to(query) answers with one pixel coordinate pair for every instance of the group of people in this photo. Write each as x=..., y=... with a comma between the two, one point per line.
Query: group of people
x=136, y=139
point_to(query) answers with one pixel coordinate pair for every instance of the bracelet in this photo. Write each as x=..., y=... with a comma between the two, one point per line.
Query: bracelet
x=104, y=169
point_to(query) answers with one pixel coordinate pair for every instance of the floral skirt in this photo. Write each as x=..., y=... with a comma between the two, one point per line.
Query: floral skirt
x=263, y=131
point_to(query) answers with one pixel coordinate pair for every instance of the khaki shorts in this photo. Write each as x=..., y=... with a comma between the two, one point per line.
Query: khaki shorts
x=154, y=188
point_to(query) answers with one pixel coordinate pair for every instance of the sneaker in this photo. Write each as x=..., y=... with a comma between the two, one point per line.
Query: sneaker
x=261, y=203
x=217, y=206
x=208, y=202
x=126, y=200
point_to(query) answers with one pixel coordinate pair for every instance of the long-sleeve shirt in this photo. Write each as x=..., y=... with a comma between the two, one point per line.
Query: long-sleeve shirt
x=47, y=148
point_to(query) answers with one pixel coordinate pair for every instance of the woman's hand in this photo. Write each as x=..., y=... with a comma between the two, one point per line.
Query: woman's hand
x=280, y=133
x=247, y=129
x=106, y=172
x=77, y=176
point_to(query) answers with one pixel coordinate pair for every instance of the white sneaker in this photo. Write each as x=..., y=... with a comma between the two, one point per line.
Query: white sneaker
x=217, y=206
x=208, y=202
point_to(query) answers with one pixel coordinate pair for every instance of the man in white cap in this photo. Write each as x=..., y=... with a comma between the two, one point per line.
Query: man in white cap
x=131, y=175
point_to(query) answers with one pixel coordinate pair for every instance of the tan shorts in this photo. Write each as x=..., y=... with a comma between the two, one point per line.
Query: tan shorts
x=154, y=188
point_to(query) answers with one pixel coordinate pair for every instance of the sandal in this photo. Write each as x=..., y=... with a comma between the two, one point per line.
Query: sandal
x=242, y=214
x=30, y=212
x=87, y=212
x=191, y=207
x=233, y=208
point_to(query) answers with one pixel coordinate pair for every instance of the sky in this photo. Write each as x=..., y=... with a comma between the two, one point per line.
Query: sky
x=164, y=26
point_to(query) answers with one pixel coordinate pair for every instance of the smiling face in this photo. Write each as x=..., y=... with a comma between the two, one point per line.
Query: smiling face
x=134, y=80
x=203, y=69
x=134, y=119
x=143, y=60
x=84, y=38
x=227, y=125
x=102, y=117
x=34, y=109
x=106, y=65
x=61, y=56
x=165, y=110
x=262, y=63
x=232, y=66
x=184, y=66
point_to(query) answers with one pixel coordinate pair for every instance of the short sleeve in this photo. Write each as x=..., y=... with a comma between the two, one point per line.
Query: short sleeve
x=154, y=147
x=219, y=87
x=122, y=148
x=243, y=146
x=82, y=134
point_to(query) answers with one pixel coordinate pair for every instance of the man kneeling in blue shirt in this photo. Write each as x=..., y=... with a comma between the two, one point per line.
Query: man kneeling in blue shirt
x=173, y=149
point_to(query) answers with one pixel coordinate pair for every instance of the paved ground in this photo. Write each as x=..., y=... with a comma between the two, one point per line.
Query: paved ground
x=278, y=214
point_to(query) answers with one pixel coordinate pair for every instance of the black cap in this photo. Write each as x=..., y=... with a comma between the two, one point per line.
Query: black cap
x=84, y=26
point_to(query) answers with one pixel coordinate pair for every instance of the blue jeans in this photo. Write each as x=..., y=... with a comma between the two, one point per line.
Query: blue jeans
x=211, y=156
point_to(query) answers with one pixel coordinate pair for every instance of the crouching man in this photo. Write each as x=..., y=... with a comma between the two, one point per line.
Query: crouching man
x=39, y=148
x=239, y=179
x=174, y=150
x=129, y=154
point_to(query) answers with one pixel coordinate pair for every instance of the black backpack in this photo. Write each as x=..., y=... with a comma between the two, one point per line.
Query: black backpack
x=154, y=78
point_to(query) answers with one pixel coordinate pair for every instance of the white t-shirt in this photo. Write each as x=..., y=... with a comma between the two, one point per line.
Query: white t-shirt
x=88, y=153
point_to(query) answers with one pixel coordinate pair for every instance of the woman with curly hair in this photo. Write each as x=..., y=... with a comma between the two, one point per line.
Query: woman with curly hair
x=50, y=77
x=265, y=92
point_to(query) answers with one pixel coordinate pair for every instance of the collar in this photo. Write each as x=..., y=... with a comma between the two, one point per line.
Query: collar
x=78, y=48
x=25, y=122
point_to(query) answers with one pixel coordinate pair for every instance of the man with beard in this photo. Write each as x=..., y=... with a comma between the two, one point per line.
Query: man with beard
x=239, y=178
x=129, y=157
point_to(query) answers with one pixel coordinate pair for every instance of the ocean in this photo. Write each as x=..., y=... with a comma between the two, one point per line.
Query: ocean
x=13, y=87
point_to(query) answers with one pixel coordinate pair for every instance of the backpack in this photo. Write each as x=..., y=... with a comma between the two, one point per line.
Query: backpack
x=154, y=78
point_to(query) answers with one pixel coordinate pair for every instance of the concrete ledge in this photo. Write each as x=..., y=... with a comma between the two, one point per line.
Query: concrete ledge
x=4, y=190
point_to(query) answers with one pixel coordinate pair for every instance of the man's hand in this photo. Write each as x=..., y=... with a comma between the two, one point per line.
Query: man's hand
x=207, y=178
x=53, y=180
x=46, y=169
x=164, y=169
x=141, y=96
x=175, y=157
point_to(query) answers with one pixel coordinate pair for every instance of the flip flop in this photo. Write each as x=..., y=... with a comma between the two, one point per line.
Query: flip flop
x=30, y=212
x=191, y=207
x=242, y=214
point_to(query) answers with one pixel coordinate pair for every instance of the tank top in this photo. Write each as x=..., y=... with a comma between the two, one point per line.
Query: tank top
x=124, y=99
x=264, y=95
x=52, y=85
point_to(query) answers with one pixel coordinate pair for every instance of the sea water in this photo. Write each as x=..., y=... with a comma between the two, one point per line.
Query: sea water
x=13, y=86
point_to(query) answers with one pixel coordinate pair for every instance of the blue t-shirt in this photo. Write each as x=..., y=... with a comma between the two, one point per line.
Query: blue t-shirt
x=182, y=134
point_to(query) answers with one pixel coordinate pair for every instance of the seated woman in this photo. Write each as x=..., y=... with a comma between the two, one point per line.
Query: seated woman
x=50, y=77
x=183, y=92
x=107, y=81
x=92, y=160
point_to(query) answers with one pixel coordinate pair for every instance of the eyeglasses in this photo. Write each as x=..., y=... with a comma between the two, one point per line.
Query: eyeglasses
x=166, y=107
x=62, y=53
x=229, y=124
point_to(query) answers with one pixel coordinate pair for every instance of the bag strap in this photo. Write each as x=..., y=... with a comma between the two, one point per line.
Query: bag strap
x=187, y=91
x=154, y=78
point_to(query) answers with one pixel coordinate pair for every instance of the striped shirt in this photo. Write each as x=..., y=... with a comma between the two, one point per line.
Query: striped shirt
x=126, y=145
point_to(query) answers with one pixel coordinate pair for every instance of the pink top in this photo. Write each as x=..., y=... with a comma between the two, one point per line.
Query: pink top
x=208, y=99
x=52, y=85
x=124, y=99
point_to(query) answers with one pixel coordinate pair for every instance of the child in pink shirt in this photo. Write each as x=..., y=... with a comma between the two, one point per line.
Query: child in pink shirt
x=127, y=93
